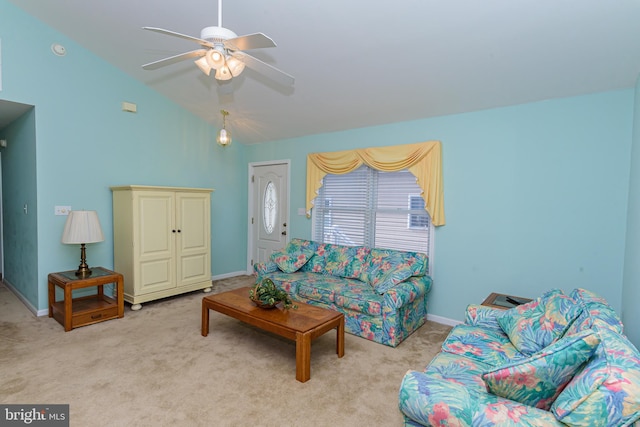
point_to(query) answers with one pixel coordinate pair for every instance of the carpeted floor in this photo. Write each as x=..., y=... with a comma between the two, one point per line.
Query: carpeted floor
x=153, y=368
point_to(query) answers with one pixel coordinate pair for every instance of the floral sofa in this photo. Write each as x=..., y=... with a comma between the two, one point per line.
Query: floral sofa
x=558, y=360
x=381, y=292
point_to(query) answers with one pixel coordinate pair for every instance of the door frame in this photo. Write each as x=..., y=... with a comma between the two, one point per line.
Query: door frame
x=250, y=236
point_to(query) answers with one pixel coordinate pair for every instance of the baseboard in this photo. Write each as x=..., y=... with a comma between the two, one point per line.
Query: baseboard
x=14, y=290
x=443, y=320
x=227, y=275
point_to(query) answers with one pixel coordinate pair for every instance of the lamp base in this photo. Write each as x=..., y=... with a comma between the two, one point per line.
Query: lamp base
x=83, y=269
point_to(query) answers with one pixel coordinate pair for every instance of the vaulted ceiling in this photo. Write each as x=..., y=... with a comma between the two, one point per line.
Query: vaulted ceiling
x=360, y=63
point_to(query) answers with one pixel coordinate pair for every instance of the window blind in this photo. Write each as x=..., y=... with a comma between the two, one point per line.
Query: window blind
x=372, y=208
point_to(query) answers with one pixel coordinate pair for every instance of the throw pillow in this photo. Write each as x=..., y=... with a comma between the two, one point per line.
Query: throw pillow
x=385, y=269
x=605, y=392
x=539, y=379
x=346, y=261
x=294, y=255
x=318, y=261
x=538, y=323
x=595, y=312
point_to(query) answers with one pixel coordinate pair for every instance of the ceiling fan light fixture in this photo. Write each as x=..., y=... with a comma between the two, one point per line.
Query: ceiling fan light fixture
x=215, y=58
x=203, y=64
x=224, y=136
x=223, y=73
x=221, y=49
x=235, y=66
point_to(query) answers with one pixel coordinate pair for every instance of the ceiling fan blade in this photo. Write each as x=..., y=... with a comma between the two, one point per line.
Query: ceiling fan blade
x=173, y=59
x=267, y=70
x=250, y=41
x=201, y=42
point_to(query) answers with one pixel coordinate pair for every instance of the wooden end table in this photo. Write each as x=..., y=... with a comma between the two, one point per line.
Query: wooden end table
x=504, y=301
x=301, y=325
x=75, y=312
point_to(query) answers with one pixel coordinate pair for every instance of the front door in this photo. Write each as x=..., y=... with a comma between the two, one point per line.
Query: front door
x=270, y=210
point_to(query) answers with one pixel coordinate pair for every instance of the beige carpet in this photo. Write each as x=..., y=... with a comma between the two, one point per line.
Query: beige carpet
x=153, y=368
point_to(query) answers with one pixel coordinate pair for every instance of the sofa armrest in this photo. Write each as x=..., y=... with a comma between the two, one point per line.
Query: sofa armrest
x=433, y=401
x=261, y=268
x=483, y=316
x=405, y=292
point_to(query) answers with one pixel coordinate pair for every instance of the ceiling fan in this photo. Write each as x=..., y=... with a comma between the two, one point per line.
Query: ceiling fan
x=222, y=50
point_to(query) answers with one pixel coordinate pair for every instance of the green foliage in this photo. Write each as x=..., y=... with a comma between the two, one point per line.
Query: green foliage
x=266, y=292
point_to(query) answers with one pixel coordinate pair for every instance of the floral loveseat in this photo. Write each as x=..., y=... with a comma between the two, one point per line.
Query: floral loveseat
x=558, y=360
x=381, y=292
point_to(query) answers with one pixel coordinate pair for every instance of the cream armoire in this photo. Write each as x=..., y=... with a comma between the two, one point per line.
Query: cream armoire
x=161, y=241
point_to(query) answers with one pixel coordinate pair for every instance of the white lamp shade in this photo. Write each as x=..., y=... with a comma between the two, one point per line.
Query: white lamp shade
x=82, y=227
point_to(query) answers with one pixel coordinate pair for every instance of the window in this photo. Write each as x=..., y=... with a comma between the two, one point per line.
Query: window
x=421, y=220
x=270, y=207
x=372, y=208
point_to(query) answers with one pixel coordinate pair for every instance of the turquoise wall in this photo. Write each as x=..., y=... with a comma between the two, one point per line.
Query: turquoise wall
x=84, y=144
x=631, y=284
x=535, y=195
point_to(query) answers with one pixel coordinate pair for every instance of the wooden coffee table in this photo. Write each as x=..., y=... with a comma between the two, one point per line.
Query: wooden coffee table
x=301, y=325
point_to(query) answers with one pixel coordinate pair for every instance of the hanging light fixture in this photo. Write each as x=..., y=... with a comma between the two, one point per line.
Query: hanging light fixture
x=214, y=59
x=224, y=136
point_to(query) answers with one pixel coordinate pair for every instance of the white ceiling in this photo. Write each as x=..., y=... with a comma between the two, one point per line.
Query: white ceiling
x=359, y=63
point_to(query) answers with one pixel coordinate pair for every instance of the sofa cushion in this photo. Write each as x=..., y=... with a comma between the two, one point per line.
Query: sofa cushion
x=489, y=346
x=460, y=370
x=350, y=294
x=385, y=268
x=595, y=312
x=493, y=410
x=320, y=288
x=537, y=380
x=346, y=261
x=537, y=324
x=607, y=390
x=293, y=256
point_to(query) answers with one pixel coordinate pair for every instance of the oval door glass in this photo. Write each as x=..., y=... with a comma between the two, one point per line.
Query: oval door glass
x=270, y=208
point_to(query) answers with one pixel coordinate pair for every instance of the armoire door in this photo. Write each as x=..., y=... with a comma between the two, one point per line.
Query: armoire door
x=193, y=238
x=156, y=241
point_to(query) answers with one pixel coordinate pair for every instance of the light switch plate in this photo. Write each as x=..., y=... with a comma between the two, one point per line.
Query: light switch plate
x=62, y=210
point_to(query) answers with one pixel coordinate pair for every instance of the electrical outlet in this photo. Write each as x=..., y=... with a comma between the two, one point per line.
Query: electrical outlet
x=62, y=210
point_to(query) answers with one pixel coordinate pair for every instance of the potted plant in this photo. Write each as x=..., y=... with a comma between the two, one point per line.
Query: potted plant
x=266, y=295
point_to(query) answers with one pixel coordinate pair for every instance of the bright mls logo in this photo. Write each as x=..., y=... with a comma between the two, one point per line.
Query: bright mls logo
x=36, y=415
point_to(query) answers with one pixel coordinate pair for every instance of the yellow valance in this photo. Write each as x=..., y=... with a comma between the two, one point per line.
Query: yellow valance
x=424, y=160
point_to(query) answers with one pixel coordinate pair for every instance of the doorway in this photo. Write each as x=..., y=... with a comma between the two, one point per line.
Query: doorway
x=268, y=210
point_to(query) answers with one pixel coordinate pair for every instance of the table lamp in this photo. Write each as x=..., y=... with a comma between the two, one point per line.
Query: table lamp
x=82, y=227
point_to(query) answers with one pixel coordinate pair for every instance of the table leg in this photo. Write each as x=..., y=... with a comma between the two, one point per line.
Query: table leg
x=340, y=338
x=52, y=297
x=303, y=356
x=120, y=296
x=205, y=319
x=68, y=310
